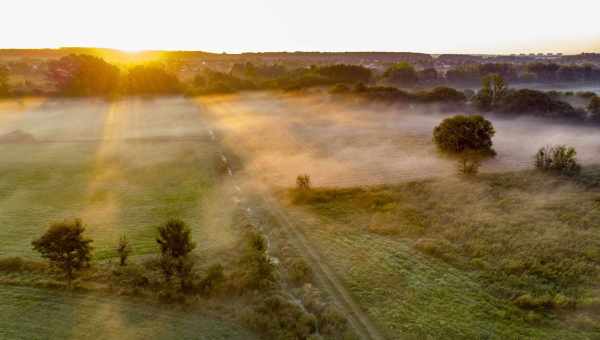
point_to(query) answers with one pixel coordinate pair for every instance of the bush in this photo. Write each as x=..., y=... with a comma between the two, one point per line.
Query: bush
x=17, y=264
x=299, y=271
x=303, y=182
x=124, y=250
x=278, y=318
x=594, y=107
x=212, y=281
x=558, y=159
x=254, y=270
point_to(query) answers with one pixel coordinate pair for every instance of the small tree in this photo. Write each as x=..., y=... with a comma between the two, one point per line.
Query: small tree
x=63, y=245
x=492, y=92
x=124, y=250
x=303, y=182
x=175, y=241
x=559, y=159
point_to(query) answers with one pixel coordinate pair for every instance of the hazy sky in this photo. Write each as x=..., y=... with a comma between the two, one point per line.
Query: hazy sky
x=434, y=26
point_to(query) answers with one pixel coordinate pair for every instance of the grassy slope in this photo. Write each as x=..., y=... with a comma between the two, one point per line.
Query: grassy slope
x=121, y=188
x=30, y=313
x=371, y=237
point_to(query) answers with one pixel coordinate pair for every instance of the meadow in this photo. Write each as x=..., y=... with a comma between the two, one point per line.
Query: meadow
x=117, y=171
x=33, y=313
x=511, y=255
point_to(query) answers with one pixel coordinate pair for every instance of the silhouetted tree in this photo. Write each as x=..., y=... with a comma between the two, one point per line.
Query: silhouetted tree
x=402, y=74
x=175, y=241
x=64, y=245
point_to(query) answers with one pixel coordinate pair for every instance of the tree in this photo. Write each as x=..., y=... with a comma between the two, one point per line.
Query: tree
x=83, y=75
x=460, y=134
x=4, y=87
x=63, y=245
x=403, y=74
x=124, y=250
x=558, y=159
x=466, y=138
x=175, y=241
x=492, y=93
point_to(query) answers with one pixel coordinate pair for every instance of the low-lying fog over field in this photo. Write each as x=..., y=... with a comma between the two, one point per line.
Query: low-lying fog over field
x=339, y=144
x=281, y=136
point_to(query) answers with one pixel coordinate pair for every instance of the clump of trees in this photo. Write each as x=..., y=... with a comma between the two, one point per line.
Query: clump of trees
x=466, y=138
x=402, y=74
x=65, y=246
x=151, y=80
x=559, y=159
x=83, y=75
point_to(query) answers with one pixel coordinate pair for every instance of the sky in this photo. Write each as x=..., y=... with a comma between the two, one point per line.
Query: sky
x=431, y=26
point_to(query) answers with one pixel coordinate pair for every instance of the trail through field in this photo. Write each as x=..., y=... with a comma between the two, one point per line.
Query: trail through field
x=325, y=276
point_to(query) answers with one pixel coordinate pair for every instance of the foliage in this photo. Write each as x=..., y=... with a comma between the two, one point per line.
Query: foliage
x=64, y=245
x=83, y=75
x=459, y=134
x=176, y=243
x=123, y=249
x=492, y=93
x=343, y=73
x=4, y=87
x=151, y=80
x=278, y=318
x=255, y=270
x=536, y=102
x=212, y=281
x=303, y=182
x=559, y=159
x=402, y=74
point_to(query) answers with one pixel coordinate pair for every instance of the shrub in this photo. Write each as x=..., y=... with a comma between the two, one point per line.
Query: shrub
x=64, y=245
x=299, y=271
x=17, y=264
x=558, y=159
x=278, y=318
x=303, y=182
x=124, y=250
x=212, y=281
x=255, y=270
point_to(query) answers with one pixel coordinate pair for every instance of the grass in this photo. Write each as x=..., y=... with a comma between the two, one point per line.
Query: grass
x=31, y=313
x=124, y=187
x=457, y=259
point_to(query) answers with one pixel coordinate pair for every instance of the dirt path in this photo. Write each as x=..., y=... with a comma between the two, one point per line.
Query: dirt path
x=326, y=277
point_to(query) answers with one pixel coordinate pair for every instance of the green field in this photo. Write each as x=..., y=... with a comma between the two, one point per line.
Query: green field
x=121, y=188
x=31, y=313
x=446, y=258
